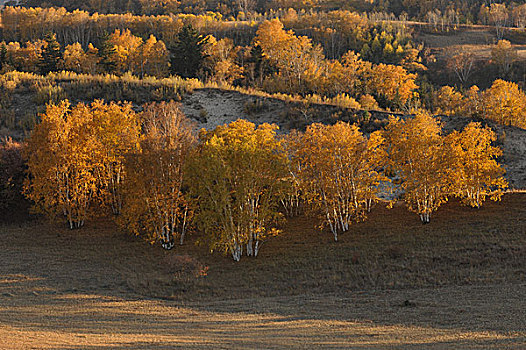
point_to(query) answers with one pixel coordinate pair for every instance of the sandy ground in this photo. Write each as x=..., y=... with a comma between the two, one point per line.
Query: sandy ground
x=213, y=107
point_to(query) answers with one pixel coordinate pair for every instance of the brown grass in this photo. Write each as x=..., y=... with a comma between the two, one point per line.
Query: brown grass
x=391, y=282
x=476, y=40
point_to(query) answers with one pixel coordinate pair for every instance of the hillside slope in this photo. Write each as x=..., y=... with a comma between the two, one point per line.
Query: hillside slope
x=212, y=107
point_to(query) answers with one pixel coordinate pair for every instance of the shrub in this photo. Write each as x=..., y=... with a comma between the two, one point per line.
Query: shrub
x=12, y=172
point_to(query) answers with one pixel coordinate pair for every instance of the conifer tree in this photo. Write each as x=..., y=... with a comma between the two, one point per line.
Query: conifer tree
x=106, y=52
x=188, y=52
x=50, y=55
x=3, y=55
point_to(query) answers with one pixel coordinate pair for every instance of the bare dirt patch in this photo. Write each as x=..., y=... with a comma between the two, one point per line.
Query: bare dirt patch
x=459, y=282
x=213, y=107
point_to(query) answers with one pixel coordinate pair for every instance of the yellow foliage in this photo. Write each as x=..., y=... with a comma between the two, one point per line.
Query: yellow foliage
x=60, y=160
x=475, y=173
x=155, y=204
x=238, y=175
x=504, y=103
x=393, y=82
x=76, y=60
x=339, y=171
x=449, y=101
x=417, y=156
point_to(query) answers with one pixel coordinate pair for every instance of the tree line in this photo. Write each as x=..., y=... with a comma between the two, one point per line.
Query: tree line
x=279, y=61
x=476, y=11
x=340, y=55
x=233, y=185
x=337, y=31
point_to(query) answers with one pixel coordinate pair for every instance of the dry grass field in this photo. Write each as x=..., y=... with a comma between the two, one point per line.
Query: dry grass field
x=477, y=40
x=457, y=283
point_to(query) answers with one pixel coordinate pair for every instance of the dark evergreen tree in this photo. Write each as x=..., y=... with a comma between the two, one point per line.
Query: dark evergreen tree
x=3, y=55
x=187, y=54
x=106, y=54
x=50, y=55
x=258, y=67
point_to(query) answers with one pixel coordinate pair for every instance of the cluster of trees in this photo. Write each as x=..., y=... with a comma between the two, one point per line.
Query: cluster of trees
x=234, y=183
x=357, y=59
x=30, y=24
x=432, y=167
x=278, y=61
x=504, y=102
x=337, y=31
x=119, y=52
x=477, y=11
x=454, y=11
x=239, y=8
x=300, y=67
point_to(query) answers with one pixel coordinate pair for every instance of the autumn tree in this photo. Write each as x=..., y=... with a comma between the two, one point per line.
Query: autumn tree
x=449, y=101
x=461, y=62
x=77, y=60
x=126, y=50
x=291, y=196
x=62, y=176
x=115, y=129
x=154, y=58
x=292, y=55
x=505, y=103
x=475, y=172
x=155, y=203
x=393, y=83
x=348, y=75
x=73, y=57
x=340, y=172
x=472, y=103
x=27, y=57
x=519, y=16
x=498, y=16
x=503, y=55
x=416, y=154
x=237, y=178
x=222, y=56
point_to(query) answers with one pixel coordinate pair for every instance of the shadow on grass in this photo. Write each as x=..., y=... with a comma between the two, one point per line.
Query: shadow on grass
x=390, y=279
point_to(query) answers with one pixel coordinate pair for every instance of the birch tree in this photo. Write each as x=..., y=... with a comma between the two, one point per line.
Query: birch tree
x=292, y=55
x=59, y=156
x=340, y=172
x=417, y=156
x=461, y=62
x=236, y=178
x=505, y=103
x=155, y=203
x=503, y=54
x=475, y=172
x=116, y=131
